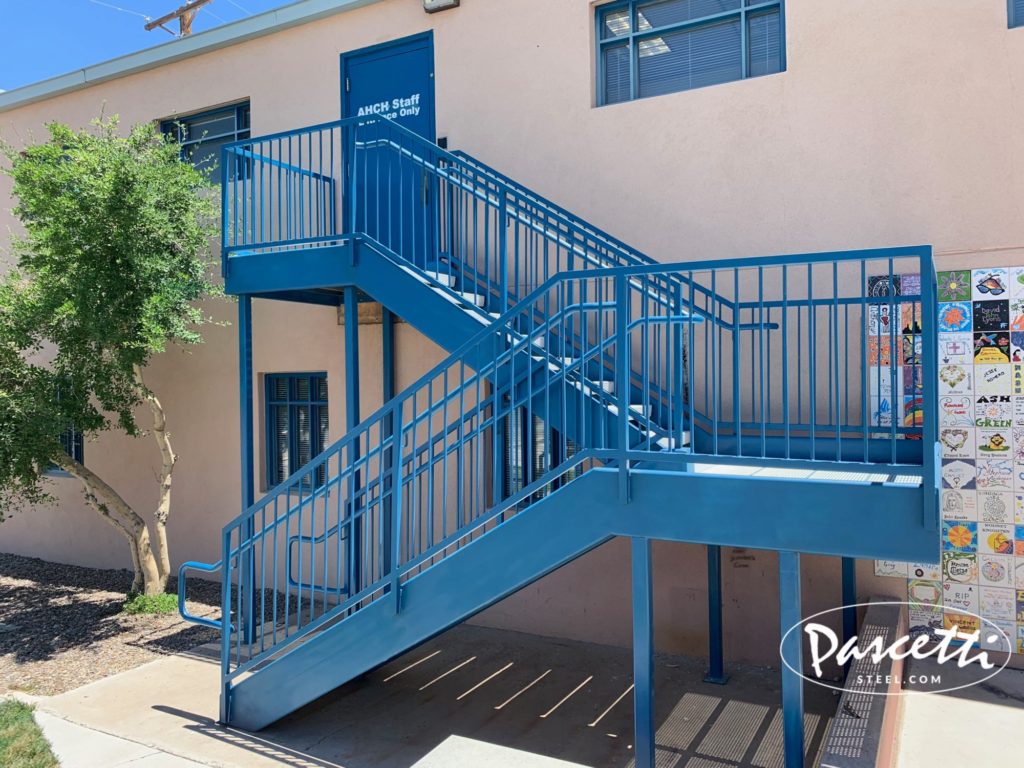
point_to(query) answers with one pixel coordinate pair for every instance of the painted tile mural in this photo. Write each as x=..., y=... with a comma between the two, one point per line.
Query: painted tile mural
x=980, y=566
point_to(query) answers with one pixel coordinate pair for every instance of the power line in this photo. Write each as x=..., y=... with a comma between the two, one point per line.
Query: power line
x=211, y=13
x=244, y=10
x=119, y=8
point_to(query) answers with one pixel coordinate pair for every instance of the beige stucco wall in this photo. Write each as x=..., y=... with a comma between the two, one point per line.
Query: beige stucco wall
x=894, y=123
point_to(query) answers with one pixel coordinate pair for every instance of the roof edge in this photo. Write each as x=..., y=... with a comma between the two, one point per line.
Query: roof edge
x=260, y=25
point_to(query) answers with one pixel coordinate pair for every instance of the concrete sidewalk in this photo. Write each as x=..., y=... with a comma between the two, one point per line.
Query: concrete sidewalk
x=471, y=697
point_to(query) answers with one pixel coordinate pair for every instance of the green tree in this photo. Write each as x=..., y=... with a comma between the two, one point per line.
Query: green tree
x=114, y=256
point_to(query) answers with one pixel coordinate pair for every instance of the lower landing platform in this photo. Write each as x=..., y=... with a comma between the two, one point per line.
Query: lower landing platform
x=520, y=700
x=470, y=697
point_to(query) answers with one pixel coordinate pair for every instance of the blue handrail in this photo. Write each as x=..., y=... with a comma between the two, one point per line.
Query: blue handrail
x=185, y=614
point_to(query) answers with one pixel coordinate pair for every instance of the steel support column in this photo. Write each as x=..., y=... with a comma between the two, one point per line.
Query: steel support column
x=716, y=657
x=849, y=597
x=643, y=653
x=387, y=332
x=351, y=420
x=792, y=657
x=246, y=566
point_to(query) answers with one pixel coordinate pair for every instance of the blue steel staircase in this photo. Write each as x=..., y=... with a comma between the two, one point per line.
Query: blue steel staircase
x=720, y=402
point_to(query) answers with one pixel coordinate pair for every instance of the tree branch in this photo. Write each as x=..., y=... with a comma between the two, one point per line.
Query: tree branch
x=120, y=514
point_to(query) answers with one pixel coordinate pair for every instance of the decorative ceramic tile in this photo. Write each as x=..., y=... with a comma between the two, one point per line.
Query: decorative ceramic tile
x=956, y=348
x=958, y=410
x=880, y=350
x=923, y=593
x=880, y=381
x=955, y=317
x=1017, y=344
x=995, y=507
x=994, y=443
x=996, y=603
x=957, y=442
x=998, y=635
x=913, y=379
x=956, y=285
x=928, y=571
x=959, y=506
x=991, y=347
x=881, y=412
x=994, y=475
x=959, y=474
x=913, y=411
x=925, y=619
x=994, y=379
x=960, y=598
x=993, y=411
x=890, y=568
x=964, y=624
x=956, y=380
x=995, y=570
x=991, y=316
x=961, y=567
x=989, y=283
x=1017, y=314
x=910, y=318
x=878, y=320
x=995, y=539
x=883, y=285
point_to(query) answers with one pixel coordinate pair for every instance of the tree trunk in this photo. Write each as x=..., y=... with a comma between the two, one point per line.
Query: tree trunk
x=109, y=504
x=168, y=460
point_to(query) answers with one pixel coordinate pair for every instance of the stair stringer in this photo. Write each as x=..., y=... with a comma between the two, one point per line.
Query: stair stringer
x=398, y=287
x=461, y=585
x=818, y=517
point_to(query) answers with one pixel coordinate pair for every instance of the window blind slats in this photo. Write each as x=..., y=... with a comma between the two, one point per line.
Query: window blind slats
x=297, y=424
x=661, y=13
x=763, y=33
x=692, y=58
x=281, y=464
x=654, y=47
x=615, y=64
x=1017, y=13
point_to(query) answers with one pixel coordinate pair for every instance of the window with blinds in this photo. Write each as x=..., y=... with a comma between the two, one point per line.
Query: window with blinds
x=653, y=47
x=530, y=451
x=1016, y=13
x=202, y=135
x=296, y=424
x=73, y=445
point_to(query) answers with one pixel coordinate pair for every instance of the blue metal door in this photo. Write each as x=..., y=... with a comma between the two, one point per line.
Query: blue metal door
x=395, y=199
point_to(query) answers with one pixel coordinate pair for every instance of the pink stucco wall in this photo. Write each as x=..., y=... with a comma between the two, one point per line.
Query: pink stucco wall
x=895, y=123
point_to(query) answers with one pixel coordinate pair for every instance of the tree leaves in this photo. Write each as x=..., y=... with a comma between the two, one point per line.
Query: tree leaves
x=114, y=256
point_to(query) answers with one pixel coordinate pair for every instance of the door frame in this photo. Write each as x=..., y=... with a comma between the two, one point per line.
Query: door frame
x=401, y=45
x=397, y=46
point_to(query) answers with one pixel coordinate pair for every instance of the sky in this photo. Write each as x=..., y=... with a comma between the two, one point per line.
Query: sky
x=45, y=38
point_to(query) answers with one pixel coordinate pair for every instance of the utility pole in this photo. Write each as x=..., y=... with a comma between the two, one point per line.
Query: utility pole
x=185, y=14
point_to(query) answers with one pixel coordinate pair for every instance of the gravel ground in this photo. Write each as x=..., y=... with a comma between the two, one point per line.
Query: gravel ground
x=61, y=626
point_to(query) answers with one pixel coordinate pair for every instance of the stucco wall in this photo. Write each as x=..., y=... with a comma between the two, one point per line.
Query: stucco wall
x=894, y=123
